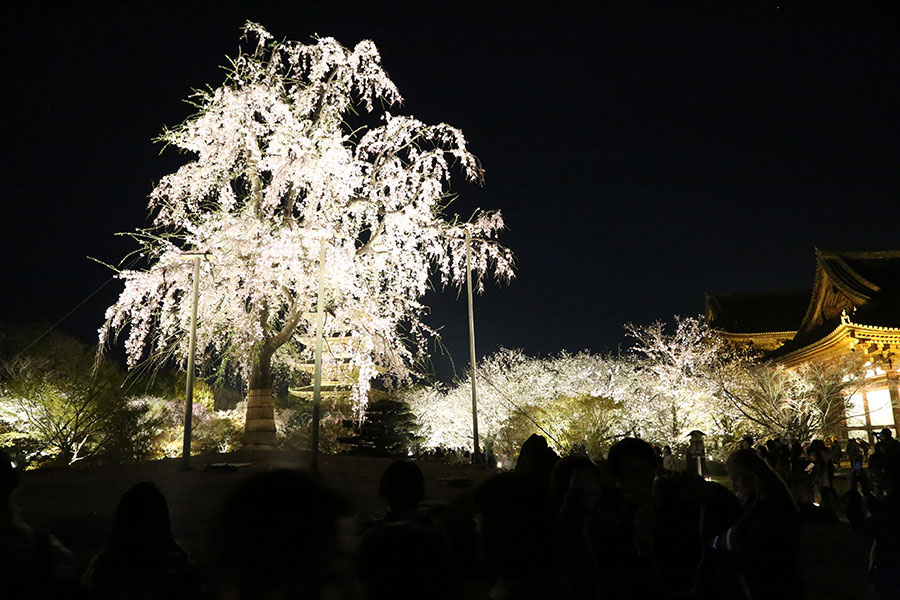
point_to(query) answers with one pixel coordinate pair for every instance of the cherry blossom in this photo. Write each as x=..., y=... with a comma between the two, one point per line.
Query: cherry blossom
x=276, y=168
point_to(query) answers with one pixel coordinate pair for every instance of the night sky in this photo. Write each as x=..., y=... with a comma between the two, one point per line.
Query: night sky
x=642, y=154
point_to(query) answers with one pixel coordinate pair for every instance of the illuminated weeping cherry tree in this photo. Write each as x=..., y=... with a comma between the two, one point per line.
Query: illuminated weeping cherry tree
x=277, y=170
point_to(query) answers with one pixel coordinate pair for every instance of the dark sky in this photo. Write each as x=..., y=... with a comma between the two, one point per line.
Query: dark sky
x=642, y=153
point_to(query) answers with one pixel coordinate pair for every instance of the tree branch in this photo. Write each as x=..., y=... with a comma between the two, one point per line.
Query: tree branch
x=287, y=330
x=256, y=195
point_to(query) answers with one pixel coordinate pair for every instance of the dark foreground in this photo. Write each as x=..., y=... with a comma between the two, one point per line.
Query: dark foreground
x=77, y=506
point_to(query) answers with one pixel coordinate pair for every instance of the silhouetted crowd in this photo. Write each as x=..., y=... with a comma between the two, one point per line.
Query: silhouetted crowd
x=624, y=527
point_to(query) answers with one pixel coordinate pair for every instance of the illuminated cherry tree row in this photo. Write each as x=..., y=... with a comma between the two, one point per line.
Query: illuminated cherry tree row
x=660, y=390
x=673, y=379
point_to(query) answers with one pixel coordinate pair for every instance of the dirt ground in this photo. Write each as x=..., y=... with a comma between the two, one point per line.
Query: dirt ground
x=77, y=506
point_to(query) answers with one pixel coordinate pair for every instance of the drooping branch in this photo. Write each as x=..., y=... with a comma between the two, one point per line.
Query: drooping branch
x=320, y=102
x=365, y=248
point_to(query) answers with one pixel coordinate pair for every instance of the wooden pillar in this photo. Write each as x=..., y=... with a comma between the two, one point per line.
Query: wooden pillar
x=893, y=382
x=869, y=433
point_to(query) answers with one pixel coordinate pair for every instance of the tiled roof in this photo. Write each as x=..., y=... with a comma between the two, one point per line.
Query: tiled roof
x=757, y=312
x=868, y=282
x=804, y=339
x=866, y=273
x=865, y=279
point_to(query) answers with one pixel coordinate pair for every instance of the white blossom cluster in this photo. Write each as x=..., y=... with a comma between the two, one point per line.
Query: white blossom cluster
x=680, y=375
x=508, y=382
x=277, y=169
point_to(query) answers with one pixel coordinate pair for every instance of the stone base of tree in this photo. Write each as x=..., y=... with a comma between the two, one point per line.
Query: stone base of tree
x=259, y=432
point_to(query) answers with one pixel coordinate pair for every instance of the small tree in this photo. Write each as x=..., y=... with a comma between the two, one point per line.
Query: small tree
x=591, y=423
x=389, y=429
x=61, y=410
x=279, y=171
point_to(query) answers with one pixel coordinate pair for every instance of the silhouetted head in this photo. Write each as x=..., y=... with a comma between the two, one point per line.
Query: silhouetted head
x=142, y=519
x=753, y=478
x=885, y=435
x=534, y=442
x=402, y=485
x=565, y=469
x=817, y=446
x=536, y=459
x=634, y=463
x=281, y=534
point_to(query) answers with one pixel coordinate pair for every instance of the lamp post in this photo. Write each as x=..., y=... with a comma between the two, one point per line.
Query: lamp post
x=476, y=456
x=189, y=386
x=317, y=371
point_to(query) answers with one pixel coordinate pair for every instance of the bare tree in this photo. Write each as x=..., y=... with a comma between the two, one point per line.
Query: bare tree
x=795, y=404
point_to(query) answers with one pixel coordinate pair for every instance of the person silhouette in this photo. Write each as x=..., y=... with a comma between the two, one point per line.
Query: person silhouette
x=403, y=487
x=33, y=563
x=141, y=559
x=515, y=534
x=282, y=534
x=762, y=547
x=537, y=459
x=403, y=560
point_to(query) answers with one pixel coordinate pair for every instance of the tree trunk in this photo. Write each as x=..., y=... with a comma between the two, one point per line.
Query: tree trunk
x=259, y=431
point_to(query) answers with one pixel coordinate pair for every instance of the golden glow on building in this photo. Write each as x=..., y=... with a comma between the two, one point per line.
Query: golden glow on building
x=852, y=309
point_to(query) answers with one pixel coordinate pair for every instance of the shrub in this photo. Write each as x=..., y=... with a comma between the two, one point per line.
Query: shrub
x=58, y=407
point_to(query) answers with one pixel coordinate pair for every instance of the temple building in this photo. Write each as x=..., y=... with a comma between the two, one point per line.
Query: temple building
x=853, y=307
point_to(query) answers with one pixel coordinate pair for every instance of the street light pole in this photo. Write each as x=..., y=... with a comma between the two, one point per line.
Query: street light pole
x=476, y=457
x=189, y=387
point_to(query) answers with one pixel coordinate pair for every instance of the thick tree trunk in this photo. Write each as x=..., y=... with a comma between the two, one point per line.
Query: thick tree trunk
x=259, y=432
